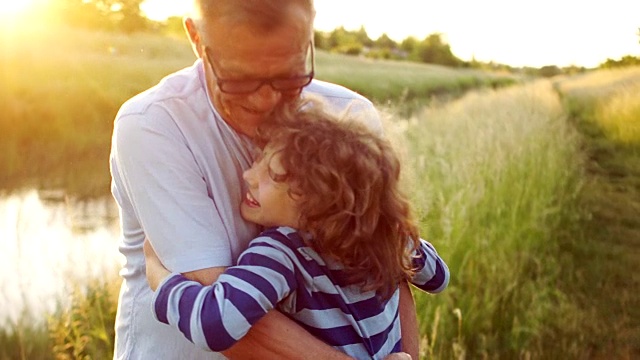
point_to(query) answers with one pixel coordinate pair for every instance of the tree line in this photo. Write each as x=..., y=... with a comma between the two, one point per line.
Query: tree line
x=111, y=15
x=126, y=16
x=433, y=49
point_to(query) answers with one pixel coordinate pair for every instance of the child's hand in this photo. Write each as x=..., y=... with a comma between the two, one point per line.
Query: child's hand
x=156, y=272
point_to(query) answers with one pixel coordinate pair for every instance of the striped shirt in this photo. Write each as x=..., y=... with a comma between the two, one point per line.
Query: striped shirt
x=279, y=270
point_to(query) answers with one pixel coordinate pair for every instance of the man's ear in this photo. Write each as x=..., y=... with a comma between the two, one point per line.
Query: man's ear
x=194, y=35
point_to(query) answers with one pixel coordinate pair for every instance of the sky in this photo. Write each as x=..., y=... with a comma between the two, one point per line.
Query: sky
x=512, y=32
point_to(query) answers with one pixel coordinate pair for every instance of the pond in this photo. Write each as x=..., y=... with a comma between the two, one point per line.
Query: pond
x=50, y=243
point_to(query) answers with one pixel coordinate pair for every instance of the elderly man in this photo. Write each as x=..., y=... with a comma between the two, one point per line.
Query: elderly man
x=178, y=153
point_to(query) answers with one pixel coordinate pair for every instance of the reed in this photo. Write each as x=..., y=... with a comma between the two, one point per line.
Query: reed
x=494, y=176
x=602, y=252
x=608, y=98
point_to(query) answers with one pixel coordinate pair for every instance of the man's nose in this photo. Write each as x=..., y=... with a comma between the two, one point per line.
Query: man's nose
x=265, y=98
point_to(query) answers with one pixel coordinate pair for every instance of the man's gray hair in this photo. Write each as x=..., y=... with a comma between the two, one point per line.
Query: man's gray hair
x=264, y=14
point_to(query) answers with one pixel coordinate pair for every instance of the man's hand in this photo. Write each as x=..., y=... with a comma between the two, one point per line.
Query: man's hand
x=156, y=272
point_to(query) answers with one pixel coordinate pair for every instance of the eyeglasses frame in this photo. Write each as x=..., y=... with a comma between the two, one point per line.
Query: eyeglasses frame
x=261, y=81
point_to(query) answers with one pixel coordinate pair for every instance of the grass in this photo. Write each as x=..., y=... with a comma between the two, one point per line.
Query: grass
x=393, y=81
x=85, y=329
x=601, y=258
x=530, y=214
x=494, y=175
x=81, y=328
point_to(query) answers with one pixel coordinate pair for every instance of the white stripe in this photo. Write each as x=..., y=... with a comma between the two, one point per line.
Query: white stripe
x=195, y=324
x=277, y=280
x=325, y=319
x=392, y=339
x=357, y=351
x=234, y=321
x=379, y=323
x=173, y=313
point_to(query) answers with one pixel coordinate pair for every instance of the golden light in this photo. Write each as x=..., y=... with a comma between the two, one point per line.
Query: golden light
x=15, y=13
x=11, y=9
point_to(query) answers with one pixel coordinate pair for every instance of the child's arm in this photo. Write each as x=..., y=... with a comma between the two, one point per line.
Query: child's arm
x=215, y=317
x=433, y=273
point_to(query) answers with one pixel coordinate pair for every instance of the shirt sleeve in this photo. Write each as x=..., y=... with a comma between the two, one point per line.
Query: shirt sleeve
x=432, y=272
x=215, y=317
x=155, y=170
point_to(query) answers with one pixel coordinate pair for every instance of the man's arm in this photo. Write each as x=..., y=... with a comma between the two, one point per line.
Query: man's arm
x=275, y=336
x=409, y=322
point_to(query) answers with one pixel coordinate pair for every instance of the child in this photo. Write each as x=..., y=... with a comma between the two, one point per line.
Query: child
x=338, y=238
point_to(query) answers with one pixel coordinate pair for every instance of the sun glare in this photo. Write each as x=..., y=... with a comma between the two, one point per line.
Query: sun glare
x=13, y=14
x=12, y=9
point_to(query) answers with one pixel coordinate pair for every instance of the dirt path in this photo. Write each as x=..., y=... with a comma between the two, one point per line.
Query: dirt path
x=606, y=256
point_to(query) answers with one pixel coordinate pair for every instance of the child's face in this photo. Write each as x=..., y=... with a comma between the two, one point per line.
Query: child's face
x=267, y=201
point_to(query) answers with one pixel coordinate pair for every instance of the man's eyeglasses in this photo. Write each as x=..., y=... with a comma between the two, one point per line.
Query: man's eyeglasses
x=237, y=87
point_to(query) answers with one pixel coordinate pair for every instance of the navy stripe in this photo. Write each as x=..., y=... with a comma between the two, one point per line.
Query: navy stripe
x=317, y=300
x=257, y=281
x=377, y=341
x=162, y=300
x=437, y=280
x=424, y=250
x=419, y=261
x=347, y=335
x=268, y=262
x=336, y=336
x=185, y=307
x=294, y=242
x=397, y=347
x=360, y=310
x=216, y=335
x=246, y=304
x=367, y=308
x=339, y=277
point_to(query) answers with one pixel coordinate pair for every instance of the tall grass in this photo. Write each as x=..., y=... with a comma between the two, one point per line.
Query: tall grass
x=601, y=259
x=494, y=175
x=392, y=81
x=85, y=329
x=81, y=328
x=610, y=99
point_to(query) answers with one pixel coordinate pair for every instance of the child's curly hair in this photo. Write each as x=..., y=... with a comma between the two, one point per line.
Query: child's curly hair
x=347, y=178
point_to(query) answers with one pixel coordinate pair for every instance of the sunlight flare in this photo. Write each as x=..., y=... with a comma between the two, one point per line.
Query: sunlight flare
x=15, y=14
x=12, y=9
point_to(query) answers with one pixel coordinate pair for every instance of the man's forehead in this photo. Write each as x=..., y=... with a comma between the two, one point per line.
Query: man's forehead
x=263, y=14
x=261, y=53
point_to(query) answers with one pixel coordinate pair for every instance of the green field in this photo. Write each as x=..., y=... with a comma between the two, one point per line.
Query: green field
x=512, y=184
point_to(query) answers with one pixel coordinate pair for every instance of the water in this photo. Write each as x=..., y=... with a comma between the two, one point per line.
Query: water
x=50, y=243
